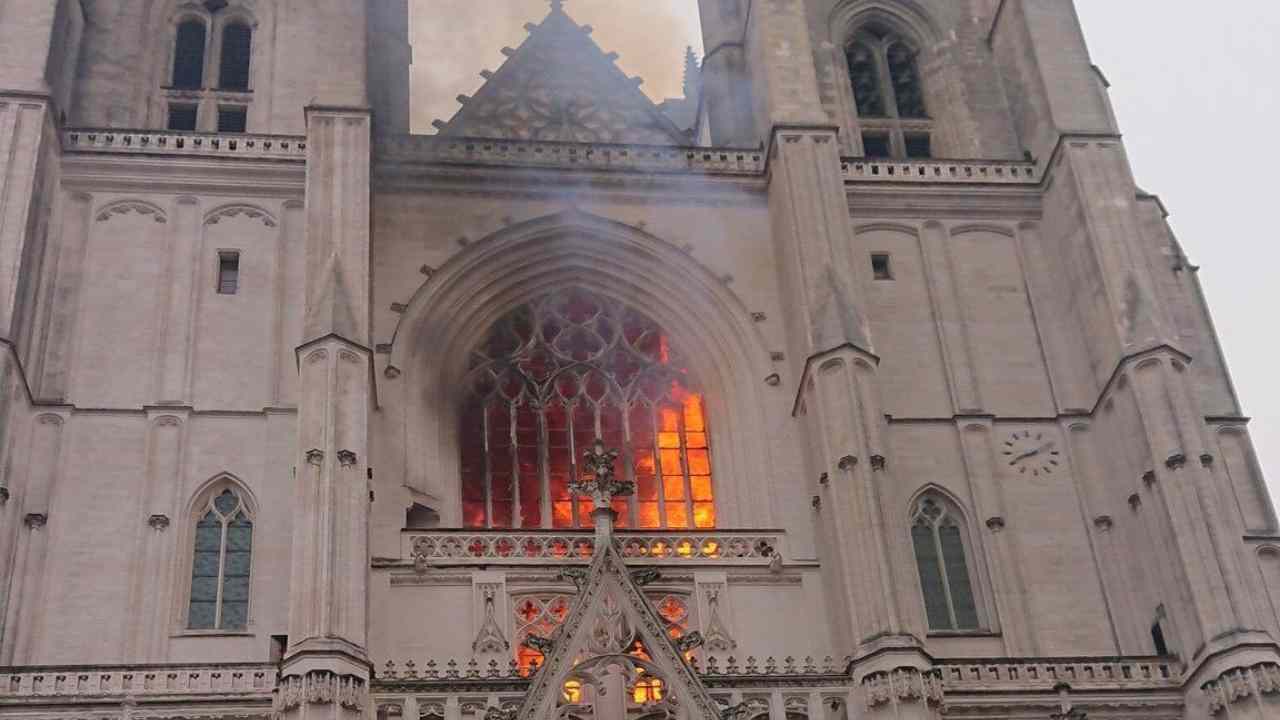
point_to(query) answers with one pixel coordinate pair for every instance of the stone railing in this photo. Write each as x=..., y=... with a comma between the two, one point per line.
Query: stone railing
x=433, y=149
x=461, y=547
x=192, y=144
x=1044, y=674
x=140, y=682
x=951, y=172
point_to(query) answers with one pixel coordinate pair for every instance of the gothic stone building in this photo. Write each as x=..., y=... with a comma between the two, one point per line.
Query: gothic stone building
x=917, y=408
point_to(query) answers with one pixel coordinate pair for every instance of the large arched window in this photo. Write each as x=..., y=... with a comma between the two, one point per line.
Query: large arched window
x=888, y=94
x=220, y=563
x=188, y=55
x=551, y=377
x=237, y=46
x=937, y=534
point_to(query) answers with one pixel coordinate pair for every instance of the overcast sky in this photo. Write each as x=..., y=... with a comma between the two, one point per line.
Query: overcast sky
x=1195, y=92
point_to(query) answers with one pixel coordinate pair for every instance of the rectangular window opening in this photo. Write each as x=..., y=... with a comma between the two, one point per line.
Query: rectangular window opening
x=876, y=145
x=279, y=644
x=233, y=119
x=918, y=145
x=880, y=267
x=182, y=117
x=228, y=273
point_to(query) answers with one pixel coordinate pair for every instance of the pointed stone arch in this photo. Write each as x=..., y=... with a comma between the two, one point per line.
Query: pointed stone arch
x=453, y=310
x=907, y=17
x=128, y=206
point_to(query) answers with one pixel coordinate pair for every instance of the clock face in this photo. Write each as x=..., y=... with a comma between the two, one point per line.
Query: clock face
x=1031, y=453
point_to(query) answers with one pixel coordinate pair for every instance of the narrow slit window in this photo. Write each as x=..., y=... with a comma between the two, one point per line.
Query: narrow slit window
x=237, y=42
x=228, y=273
x=233, y=119
x=188, y=55
x=880, y=267
x=1157, y=639
x=182, y=117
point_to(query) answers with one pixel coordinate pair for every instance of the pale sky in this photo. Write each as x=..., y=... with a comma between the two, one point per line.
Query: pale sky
x=1195, y=91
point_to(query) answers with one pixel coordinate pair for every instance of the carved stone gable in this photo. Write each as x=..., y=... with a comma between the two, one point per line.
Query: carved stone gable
x=613, y=659
x=560, y=86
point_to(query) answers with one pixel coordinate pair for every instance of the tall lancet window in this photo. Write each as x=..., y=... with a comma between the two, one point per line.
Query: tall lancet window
x=220, y=566
x=937, y=533
x=888, y=95
x=551, y=377
x=237, y=46
x=188, y=55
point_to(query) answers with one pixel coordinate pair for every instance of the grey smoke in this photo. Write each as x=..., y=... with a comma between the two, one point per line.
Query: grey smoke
x=455, y=39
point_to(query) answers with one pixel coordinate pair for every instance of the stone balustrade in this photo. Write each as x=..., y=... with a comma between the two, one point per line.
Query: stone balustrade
x=139, y=682
x=577, y=546
x=186, y=144
x=433, y=149
x=951, y=172
x=1083, y=674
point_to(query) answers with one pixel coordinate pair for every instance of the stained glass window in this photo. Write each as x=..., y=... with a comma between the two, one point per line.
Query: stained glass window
x=937, y=536
x=541, y=613
x=867, y=94
x=551, y=377
x=220, y=565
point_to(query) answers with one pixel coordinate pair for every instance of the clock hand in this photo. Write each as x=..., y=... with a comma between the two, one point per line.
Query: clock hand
x=1025, y=455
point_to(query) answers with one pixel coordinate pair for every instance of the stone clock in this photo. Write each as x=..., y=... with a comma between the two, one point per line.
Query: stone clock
x=1029, y=452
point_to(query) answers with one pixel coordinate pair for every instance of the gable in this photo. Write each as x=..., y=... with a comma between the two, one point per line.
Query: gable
x=560, y=86
x=592, y=651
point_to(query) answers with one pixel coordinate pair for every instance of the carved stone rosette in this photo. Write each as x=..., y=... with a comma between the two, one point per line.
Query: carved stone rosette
x=321, y=687
x=1239, y=684
x=902, y=686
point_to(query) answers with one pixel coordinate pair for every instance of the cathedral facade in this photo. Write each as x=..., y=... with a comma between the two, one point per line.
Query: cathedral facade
x=861, y=381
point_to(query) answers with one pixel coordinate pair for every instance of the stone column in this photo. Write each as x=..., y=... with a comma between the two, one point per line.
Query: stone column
x=326, y=670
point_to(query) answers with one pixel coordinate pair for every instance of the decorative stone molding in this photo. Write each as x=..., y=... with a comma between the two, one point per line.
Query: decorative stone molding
x=391, y=373
x=847, y=462
x=774, y=380
x=267, y=147
x=716, y=635
x=490, y=638
x=35, y=521
x=1176, y=461
x=315, y=457
x=321, y=687
x=347, y=458
x=1135, y=502
x=126, y=207
x=4, y=494
x=158, y=522
x=860, y=170
x=1104, y=523
x=140, y=682
x=1206, y=460
x=1239, y=684
x=995, y=524
x=1149, y=478
x=249, y=211
x=878, y=462
x=905, y=685
x=467, y=546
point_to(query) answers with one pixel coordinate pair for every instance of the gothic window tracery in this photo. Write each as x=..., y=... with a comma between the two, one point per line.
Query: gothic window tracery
x=222, y=551
x=551, y=377
x=541, y=614
x=937, y=534
x=888, y=94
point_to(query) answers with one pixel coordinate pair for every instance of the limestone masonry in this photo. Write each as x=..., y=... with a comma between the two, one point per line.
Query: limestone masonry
x=861, y=381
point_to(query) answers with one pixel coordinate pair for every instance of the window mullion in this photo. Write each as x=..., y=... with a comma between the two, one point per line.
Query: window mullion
x=629, y=463
x=684, y=468
x=514, y=410
x=573, y=459
x=659, y=479
x=544, y=464
x=488, y=468
x=946, y=581
x=222, y=568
